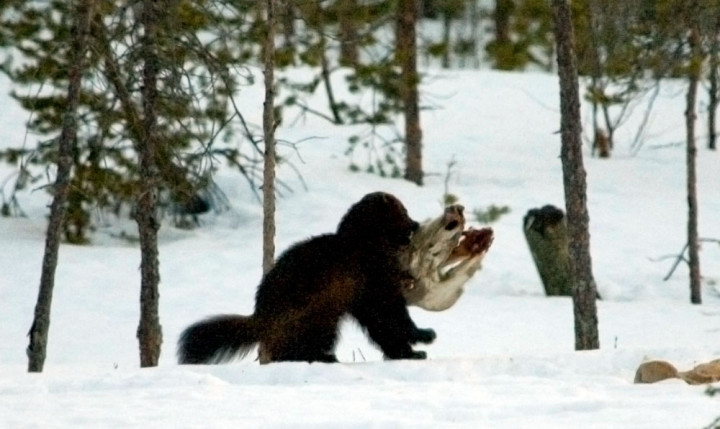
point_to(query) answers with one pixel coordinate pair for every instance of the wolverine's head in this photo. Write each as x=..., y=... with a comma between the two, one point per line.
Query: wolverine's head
x=378, y=217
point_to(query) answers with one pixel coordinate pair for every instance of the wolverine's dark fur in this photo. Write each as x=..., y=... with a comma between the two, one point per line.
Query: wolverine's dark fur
x=299, y=303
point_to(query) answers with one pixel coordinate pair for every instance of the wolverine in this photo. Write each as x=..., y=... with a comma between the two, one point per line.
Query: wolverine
x=357, y=271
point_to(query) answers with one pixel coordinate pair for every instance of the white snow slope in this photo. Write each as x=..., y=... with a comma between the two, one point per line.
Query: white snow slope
x=504, y=356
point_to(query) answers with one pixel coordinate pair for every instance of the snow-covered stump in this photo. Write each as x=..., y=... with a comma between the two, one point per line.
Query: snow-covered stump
x=546, y=234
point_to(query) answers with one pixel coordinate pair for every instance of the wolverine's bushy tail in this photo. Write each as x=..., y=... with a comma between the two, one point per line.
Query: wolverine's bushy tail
x=217, y=339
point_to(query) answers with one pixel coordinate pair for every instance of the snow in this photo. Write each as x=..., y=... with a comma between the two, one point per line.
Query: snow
x=504, y=356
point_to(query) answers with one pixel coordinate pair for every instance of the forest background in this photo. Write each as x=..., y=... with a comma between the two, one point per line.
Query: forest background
x=346, y=63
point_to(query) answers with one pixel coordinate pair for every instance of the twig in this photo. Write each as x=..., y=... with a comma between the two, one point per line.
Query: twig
x=681, y=256
x=637, y=142
x=448, y=174
x=307, y=109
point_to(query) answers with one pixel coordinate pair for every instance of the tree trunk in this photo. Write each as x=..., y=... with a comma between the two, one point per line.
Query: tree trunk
x=501, y=17
x=149, y=331
x=327, y=83
x=610, y=128
x=584, y=289
x=713, y=90
x=690, y=116
x=347, y=20
x=406, y=55
x=269, y=131
x=37, y=349
x=503, y=46
x=546, y=234
x=287, y=21
x=475, y=31
x=447, y=26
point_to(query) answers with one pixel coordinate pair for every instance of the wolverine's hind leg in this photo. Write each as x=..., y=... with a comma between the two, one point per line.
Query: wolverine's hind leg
x=307, y=344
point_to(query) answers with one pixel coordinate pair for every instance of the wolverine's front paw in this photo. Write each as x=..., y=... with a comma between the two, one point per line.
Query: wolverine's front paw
x=421, y=355
x=405, y=353
x=412, y=354
x=425, y=336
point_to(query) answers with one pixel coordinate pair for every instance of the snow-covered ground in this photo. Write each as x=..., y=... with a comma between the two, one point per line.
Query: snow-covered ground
x=504, y=356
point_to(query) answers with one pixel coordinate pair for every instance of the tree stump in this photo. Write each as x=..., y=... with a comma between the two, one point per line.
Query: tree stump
x=546, y=235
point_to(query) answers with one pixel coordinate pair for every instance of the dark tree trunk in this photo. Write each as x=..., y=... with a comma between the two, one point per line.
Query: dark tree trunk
x=502, y=48
x=712, y=107
x=149, y=331
x=447, y=26
x=269, y=132
x=287, y=20
x=610, y=128
x=714, y=89
x=584, y=289
x=37, y=349
x=475, y=32
x=406, y=55
x=347, y=19
x=501, y=16
x=327, y=83
x=690, y=116
x=602, y=141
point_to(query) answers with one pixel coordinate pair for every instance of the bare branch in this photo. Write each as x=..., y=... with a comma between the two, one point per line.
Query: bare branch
x=681, y=256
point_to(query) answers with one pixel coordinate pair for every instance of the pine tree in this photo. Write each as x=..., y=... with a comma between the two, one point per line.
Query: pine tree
x=269, y=134
x=369, y=66
x=694, y=71
x=37, y=349
x=406, y=56
x=150, y=144
x=581, y=277
x=202, y=72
